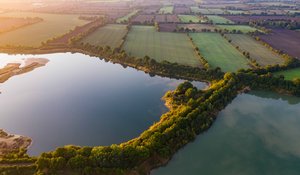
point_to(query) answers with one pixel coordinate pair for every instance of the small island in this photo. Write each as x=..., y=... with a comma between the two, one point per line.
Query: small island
x=13, y=69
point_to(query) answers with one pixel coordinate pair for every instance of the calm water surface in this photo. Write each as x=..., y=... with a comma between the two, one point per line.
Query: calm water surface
x=257, y=134
x=77, y=99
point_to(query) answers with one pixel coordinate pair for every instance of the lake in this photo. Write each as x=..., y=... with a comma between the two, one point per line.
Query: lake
x=257, y=134
x=81, y=100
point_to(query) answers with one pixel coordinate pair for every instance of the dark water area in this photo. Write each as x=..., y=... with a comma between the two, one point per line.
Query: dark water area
x=80, y=100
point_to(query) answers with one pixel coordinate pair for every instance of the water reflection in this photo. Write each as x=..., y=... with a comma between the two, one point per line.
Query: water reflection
x=254, y=135
x=266, y=94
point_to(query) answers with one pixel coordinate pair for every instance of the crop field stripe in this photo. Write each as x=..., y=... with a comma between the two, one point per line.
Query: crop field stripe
x=219, y=20
x=195, y=9
x=197, y=27
x=237, y=12
x=53, y=25
x=284, y=40
x=166, y=10
x=172, y=47
x=218, y=52
x=188, y=18
x=204, y=11
x=260, y=53
x=216, y=11
x=242, y=28
x=290, y=74
x=110, y=35
x=126, y=17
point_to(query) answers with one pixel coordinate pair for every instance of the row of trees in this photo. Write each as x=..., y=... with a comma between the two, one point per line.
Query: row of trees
x=263, y=24
x=289, y=64
x=18, y=170
x=282, y=24
x=151, y=66
x=75, y=35
x=20, y=24
x=270, y=82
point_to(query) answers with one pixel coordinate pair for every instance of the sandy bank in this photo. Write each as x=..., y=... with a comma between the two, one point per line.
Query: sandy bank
x=11, y=143
x=13, y=69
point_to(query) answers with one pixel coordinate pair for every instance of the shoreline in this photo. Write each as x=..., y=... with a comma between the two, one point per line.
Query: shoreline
x=68, y=49
x=12, y=143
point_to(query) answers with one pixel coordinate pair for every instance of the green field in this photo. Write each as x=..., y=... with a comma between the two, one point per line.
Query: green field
x=205, y=11
x=126, y=17
x=293, y=11
x=166, y=10
x=172, y=47
x=219, y=20
x=189, y=18
x=236, y=12
x=195, y=9
x=241, y=28
x=258, y=52
x=216, y=11
x=290, y=74
x=109, y=35
x=218, y=52
x=33, y=35
x=197, y=27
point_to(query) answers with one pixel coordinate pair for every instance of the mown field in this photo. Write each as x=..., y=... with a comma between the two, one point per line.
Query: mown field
x=142, y=19
x=166, y=10
x=195, y=9
x=219, y=20
x=290, y=74
x=258, y=52
x=8, y=24
x=53, y=25
x=181, y=10
x=109, y=35
x=236, y=12
x=241, y=28
x=294, y=11
x=216, y=11
x=218, y=52
x=127, y=17
x=245, y=19
x=205, y=11
x=189, y=18
x=167, y=27
x=197, y=27
x=172, y=47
